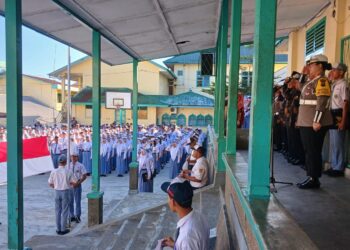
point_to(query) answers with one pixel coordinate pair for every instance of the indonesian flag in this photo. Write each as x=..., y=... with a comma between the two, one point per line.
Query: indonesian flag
x=36, y=158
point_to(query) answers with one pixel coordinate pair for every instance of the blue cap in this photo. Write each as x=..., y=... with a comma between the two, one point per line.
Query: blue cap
x=62, y=158
x=181, y=192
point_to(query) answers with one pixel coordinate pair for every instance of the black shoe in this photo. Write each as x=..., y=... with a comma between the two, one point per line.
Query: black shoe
x=120, y=175
x=58, y=232
x=328, y=171
x=303, y=182
x=65, y=232
x=72, y=219
x=311, y=184
x=296, y=162
x=88, y=174
x=77, y=219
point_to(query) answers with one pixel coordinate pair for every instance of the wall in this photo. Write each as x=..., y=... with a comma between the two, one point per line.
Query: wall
x=37, y=89
x=189, y=79
x=120, y=76
x=336, y=28
x=185, y=111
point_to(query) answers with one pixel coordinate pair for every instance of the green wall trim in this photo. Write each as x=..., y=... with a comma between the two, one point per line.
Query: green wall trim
x=13, y=37
x=242, y=195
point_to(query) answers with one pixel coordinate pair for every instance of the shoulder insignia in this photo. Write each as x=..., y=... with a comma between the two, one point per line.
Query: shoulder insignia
x=323, y=87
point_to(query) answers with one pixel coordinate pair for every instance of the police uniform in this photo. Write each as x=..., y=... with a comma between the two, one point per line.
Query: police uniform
x=314, y=108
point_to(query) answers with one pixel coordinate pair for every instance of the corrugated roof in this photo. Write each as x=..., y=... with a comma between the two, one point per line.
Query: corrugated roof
x=185, y=99
x=246, y=54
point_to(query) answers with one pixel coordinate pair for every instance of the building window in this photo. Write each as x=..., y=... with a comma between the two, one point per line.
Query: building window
x=165, y=119
x=192, y=120
x=206, y=82
x=199, y=79
x=88, y=111
x=246, y=78
x=315, y=38
x=200, y=121
x=180, y=73
x=142, y=113
x=181, y=120
x=208, y=120
x=59, y=98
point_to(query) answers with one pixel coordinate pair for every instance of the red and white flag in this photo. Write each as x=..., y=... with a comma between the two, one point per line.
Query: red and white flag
x=36, y=158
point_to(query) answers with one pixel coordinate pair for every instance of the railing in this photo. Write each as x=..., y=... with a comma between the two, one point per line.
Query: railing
x=211, y=154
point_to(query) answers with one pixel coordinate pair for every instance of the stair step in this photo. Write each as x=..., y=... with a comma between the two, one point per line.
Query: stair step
x=119, y=235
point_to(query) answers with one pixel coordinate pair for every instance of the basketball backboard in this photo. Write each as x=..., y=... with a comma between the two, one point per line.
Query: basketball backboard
x=118, y=100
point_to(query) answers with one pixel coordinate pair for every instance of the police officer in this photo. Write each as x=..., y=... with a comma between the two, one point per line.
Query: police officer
x=61, y=179
x=314, y=118
x=79, y=173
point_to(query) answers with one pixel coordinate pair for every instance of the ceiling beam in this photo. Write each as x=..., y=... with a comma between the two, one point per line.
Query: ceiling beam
x=104, y=31
x=166, y=24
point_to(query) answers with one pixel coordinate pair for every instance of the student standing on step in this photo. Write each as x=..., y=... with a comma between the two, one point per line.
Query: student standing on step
x=61, y=179
x=79, y=174
x=192, y=229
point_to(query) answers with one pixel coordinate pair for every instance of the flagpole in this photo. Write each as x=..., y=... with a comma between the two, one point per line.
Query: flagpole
x=68, y=106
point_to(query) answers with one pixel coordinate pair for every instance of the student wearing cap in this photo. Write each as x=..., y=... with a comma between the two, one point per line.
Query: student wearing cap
x=198, y=176
x=79, y=173
x=339, y=110
x=61, y=180
x=314, y=118
x=55, y=150
x=192, y=231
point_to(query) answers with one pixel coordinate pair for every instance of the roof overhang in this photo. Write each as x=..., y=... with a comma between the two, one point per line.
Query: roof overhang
x=150, y=29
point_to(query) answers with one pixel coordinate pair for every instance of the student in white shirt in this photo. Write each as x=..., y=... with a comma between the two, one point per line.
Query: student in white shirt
x=192, y=228
x=198, y=176
x=61, y=180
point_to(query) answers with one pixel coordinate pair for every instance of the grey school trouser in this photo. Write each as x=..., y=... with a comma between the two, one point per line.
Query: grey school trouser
x=61, y=208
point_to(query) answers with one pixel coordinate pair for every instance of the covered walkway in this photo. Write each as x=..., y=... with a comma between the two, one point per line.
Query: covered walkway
x=131, y=31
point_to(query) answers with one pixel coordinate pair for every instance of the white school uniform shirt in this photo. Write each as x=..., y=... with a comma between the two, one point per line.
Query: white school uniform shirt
x=77, y=169
x=200, y=172
x=64, y=143
x=144, y=164
x=87, y=146
x=61, y=178
x=340, y=93
x=55, y=148
x=194, y=232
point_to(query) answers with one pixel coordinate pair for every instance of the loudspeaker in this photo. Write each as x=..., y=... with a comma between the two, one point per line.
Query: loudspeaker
x=207, y=60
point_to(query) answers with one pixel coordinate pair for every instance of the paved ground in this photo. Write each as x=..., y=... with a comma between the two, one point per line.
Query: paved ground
x=39, y=216
x=323, y=214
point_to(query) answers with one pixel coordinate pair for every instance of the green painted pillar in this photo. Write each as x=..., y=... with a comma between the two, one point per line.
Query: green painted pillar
x=95, y=203
x=13, y=19
x=133, y=181
x=261, y=112
x=217, y=79
x=235, y=44
x=222, y=85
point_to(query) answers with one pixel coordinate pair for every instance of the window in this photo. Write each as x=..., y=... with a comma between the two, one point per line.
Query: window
x=246, y=78
x=165, y=119
x=208, y=120
x=88, y=111
x=315, y=38
x=142, y=113
x=181, y=120
x=59, y=97
x=180, y=73
x=199, y=79
x=206, y=81
x=200, y=121
x=192, y=120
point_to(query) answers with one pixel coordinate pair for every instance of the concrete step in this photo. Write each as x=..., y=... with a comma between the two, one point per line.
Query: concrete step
x=137, y=231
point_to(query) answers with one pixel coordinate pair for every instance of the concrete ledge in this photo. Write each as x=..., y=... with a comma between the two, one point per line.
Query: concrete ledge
x=95, y=211
x=264, y=224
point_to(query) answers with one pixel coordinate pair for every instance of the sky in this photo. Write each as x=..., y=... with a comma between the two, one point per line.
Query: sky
x=41, y=54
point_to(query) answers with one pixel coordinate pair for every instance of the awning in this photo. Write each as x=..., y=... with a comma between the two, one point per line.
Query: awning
x=150, y=29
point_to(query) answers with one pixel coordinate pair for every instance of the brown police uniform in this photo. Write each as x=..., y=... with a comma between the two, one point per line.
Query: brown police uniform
x=314, y=107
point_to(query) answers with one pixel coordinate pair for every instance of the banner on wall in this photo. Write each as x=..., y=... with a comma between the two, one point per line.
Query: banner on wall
x=36, y=158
